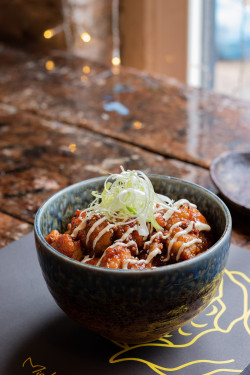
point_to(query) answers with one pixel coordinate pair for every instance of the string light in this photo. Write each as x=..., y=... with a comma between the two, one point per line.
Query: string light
x=116, y=61
x=48, y=34
x=49, y=65
x=86, y=37
x=72, y=147
x=86, y=69
x=137, y=125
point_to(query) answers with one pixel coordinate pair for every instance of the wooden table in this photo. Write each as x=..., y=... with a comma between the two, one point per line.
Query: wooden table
x=64, y=119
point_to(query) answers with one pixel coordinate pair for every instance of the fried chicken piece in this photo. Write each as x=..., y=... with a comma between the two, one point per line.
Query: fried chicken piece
x=139, y=266
x=121, y=230
x=65, y=244
x=119, y=257
x=95, y=239
x=186, y=213
x=114, y=257
x=52, y=236
x=177, y=254
x=176, y=250
x=76, y=221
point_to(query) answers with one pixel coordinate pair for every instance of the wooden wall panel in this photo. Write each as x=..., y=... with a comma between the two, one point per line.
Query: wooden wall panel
x=154, y=35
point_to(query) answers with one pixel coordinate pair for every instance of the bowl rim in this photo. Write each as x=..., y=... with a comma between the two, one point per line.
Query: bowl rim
x=170, y=267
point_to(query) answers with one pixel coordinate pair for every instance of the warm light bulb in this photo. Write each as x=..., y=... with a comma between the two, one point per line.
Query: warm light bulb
x=86, y=69
x=48, y=34
x=86, y=37
x=137, y=124
x=72, y=147
x=49, y=65
x=116, y=61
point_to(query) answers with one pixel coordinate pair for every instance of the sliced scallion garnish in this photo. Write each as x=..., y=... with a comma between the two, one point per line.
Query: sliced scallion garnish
x=130, y=196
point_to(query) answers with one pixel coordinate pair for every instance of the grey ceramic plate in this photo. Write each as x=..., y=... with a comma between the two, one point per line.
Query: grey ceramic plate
x=230, y=173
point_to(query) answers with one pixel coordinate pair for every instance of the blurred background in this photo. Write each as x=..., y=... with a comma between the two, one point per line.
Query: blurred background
x=204, y=43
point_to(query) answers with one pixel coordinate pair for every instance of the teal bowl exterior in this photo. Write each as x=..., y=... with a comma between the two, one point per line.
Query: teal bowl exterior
x=130, y=305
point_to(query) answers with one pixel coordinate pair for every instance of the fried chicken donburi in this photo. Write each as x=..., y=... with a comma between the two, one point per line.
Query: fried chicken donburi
x=129, y=226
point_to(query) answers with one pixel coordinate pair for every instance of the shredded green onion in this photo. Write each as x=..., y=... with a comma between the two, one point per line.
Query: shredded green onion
x=127, y=197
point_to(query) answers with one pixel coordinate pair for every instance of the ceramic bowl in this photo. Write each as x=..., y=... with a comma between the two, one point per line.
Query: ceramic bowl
x=132, y=306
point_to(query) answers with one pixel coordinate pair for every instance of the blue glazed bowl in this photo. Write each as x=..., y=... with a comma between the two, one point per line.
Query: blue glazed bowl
x=130, y=305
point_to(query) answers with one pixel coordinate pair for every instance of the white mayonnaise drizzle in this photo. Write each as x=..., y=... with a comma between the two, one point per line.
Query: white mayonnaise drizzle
x=80, y=226
x=156, y=214
x=176, y=205
x=197, y=225
x=181, y=233
x=180, y=202
x=86, y=258
x=152, y=254
x=127, y=233
x=101, y=233
x=120, y=242
x=176, y=225
x=186, y=244
x=141, y=261
x=202, y=226
x=131, y=261
x=94, y=226
x=99, y=261
x=156, y=235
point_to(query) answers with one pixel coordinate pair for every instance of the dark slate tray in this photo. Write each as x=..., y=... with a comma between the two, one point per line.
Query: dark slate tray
x=37, y=338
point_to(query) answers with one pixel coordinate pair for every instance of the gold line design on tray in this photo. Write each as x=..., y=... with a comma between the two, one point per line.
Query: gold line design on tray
x=217, y=323
x=38, y=368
